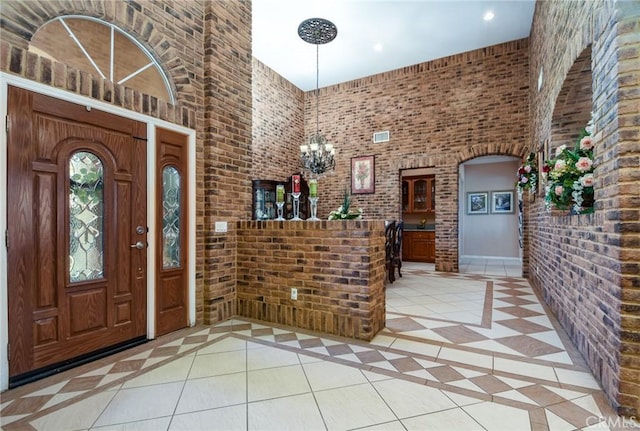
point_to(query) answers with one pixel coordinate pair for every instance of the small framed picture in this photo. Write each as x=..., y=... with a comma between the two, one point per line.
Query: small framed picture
x=363, y=175
x=502, y=202
x=477, y=203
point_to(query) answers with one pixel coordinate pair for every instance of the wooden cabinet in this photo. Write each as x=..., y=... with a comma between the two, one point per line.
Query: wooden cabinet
x=264, y=199
x=419, y=194
x=419, y=246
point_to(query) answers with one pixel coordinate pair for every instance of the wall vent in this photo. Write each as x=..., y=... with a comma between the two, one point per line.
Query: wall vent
x=380, y=137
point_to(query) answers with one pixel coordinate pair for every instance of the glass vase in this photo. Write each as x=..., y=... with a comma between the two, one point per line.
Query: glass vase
x=296, y=206
x=314, y=208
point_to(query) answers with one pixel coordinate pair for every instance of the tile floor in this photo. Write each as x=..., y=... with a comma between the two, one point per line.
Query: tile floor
x=464, y=351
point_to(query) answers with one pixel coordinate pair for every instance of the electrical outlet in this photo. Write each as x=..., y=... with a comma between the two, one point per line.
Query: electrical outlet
x=294, y=293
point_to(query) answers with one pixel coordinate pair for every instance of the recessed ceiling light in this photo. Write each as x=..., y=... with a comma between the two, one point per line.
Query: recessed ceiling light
x=489, y=16
x=377, y=47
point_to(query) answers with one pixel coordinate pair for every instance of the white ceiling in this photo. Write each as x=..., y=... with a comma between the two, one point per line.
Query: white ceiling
x=409, y=31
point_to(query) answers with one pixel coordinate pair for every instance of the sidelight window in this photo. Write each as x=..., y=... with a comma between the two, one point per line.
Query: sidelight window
x=171, y=218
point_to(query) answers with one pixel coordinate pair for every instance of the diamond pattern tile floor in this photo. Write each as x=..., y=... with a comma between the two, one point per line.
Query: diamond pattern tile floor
x=421, y=372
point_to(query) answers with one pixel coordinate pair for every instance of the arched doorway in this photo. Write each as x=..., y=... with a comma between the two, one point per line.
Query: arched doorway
x=488, y=217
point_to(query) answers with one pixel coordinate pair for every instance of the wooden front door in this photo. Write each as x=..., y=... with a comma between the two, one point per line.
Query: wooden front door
x=172, y=288
x=76, y=210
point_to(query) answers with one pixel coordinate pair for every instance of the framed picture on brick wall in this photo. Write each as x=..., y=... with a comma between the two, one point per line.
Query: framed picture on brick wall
x=363, y=175
x=478, y=203
x=502, y=202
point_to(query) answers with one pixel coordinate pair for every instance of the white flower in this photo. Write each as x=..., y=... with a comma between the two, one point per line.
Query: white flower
x=559, y=165
x=560, y=149
x=584, y=164
x=586, y=143
x=587, y=180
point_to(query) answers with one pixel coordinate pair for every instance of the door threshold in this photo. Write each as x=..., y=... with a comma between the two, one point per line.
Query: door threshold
x=41, y=373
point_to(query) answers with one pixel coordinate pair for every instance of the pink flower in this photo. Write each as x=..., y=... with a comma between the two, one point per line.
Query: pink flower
x=586, y=143
x=584, y=164
x=560, y=149
x=587, y=180
x=558, y=190
x=560, y=165
x=523, y=180
x=527, y=169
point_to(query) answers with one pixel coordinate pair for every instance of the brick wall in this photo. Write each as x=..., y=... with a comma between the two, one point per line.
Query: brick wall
x=587, y=266
x=278, y=125
x=439, y=114
x=337, y=267
x=226, y=158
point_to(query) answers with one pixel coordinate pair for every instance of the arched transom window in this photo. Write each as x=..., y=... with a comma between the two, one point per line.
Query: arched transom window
x=102, y=49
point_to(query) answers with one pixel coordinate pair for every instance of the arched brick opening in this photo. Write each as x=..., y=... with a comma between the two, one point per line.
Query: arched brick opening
x=127, y=17
x=572, y=110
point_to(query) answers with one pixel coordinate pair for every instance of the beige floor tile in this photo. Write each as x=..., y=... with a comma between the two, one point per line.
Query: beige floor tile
x=416, y=347
x=270, y=357
x=556, y=423
x=387, y=426
x=446, y=420
x=494, y=417
x=524, y=368
x=464, y=357
x=136, y=404
x=216, y=364
x=410, y=399
x=146, y=425
x=461, y=400
x=77, y=416
x=174, y=371
x=276, y=382
x=213, y=392
x=375, y=377
x=365, y=407
x=493, y=346
x=382, y=340
x=306, y=359
x=298, y=412
x=233, y=418
x=577, y=378
x=226, y=345
x=328, y=375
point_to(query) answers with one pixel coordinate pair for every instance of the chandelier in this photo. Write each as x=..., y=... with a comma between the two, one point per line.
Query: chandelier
x=317, y=157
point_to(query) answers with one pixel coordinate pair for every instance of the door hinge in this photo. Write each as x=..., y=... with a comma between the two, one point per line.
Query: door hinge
x=6, y=123
x=8, y=351
x=6, y=238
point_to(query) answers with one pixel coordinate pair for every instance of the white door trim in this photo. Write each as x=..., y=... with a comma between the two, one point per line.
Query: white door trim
x=5, y=81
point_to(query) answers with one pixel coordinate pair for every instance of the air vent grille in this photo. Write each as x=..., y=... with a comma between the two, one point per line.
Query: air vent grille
x=380, y=137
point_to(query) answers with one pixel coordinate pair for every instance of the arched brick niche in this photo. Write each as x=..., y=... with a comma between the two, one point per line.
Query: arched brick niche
x=572, y=110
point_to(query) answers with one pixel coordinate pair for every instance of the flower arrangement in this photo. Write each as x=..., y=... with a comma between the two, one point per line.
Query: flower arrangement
x=344, y=212
x=528, y=174
x=570, y=174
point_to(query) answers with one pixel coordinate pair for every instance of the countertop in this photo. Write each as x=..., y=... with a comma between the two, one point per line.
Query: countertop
x=429, y=227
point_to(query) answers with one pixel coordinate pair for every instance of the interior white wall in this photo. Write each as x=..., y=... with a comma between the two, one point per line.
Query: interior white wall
x=494, y=235
x=152, y=123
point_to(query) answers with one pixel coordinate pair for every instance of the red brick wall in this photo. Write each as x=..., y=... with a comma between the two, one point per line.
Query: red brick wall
x=337, y=267
x=278, y=125
x=587, y=266
x=227, y=156
x=439, y=114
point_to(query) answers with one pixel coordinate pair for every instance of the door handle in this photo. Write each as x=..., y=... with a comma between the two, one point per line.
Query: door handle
x=139, y=245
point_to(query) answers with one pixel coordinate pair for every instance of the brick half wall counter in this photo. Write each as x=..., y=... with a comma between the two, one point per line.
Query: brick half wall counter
x=337, y=268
